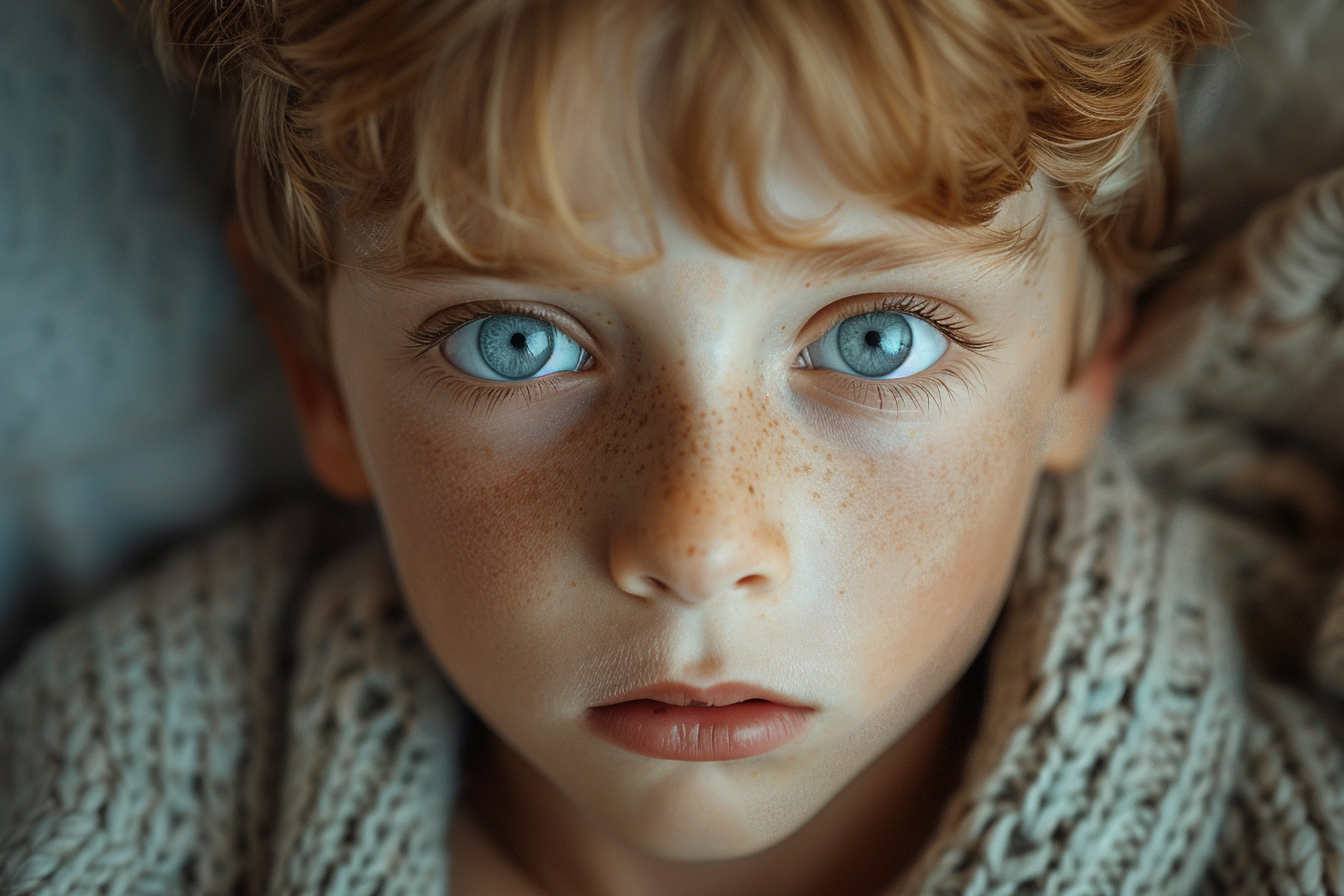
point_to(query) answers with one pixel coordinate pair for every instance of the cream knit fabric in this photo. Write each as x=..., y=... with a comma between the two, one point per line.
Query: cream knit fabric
x=259, y=716
x=256, y=717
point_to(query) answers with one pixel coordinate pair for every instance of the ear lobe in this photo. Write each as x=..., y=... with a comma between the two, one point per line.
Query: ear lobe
x=1083, y=409
x=330, y=444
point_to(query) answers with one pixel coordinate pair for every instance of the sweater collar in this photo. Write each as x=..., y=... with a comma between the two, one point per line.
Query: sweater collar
x=1114, y=717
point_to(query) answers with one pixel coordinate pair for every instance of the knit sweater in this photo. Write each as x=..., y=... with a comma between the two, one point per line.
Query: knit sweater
x=1162, y=714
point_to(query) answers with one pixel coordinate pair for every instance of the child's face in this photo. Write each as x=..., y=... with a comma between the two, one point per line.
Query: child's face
x=690, y=505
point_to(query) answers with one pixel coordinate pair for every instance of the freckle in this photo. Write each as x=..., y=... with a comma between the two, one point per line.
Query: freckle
x=842, y=591
x=751, y=489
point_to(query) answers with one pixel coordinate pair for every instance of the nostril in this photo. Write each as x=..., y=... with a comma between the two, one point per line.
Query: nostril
x=752, y=582
x=655, y=585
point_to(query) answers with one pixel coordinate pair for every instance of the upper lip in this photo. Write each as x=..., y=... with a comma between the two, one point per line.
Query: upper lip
x=679, y=694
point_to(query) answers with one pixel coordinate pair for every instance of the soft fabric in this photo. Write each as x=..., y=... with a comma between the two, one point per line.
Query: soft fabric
x=260, y=717
x=257, y=717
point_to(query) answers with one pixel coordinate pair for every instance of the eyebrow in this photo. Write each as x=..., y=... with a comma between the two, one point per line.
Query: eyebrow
x=1023, y=249
x=879, y=254
x=874, y=255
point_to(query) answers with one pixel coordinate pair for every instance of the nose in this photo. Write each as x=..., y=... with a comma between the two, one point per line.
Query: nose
x=699, y=528
x=700, y=564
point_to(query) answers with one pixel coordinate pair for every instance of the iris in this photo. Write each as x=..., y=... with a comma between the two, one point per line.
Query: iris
x=515, y=347
x=874, y=344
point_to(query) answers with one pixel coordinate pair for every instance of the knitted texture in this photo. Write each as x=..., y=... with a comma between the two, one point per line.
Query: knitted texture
x=260, y=717
x=1112, y=737
x=256, y=717
x=1240, y=405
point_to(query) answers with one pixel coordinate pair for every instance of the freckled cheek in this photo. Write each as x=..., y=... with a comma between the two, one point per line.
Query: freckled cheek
x=926, y=560
x=495, y=538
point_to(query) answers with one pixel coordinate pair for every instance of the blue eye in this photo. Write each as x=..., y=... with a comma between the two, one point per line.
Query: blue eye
x=510, y=347
x=883, y=345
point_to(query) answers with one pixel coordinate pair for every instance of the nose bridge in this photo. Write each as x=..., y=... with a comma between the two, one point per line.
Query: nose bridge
x=701, y=523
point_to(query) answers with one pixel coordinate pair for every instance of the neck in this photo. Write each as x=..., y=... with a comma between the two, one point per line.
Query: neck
x=859, y=843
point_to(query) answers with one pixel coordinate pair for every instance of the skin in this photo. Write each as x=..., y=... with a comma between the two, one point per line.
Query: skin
x=694, y=507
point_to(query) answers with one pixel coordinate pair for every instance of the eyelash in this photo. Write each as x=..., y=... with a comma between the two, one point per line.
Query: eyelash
x=478, y=397
x=920, y=391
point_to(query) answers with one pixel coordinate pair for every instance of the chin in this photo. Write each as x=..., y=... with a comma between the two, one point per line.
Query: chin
x=709, y=819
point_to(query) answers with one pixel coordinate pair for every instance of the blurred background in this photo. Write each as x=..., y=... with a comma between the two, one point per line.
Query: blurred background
x=139, y=403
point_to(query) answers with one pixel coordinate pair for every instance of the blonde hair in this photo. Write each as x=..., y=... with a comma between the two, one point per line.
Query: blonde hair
x=452, y=123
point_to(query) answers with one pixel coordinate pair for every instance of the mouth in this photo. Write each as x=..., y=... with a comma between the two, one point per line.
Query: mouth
x=677, y=694
x=675, y=721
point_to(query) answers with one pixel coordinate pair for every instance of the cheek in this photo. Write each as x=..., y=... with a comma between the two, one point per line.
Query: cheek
x=917, y=549
x=473, y=526
x=496, y=523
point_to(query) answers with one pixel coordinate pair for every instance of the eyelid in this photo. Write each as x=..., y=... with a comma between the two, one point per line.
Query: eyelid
x=920, y=392
x=443, y=323
x=952, y=323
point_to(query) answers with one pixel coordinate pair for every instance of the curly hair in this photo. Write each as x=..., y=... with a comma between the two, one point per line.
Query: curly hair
x=449, y=129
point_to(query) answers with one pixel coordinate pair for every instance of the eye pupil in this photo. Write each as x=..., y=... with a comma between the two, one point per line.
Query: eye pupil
x=873, y=338
x=518, y=340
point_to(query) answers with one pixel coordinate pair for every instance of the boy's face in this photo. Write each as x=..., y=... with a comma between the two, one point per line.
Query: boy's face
x=682, y=502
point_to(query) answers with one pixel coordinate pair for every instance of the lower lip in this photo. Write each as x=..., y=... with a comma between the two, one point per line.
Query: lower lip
x=698, y=733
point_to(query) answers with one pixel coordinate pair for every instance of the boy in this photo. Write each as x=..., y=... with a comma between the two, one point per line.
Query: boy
x=704, y=363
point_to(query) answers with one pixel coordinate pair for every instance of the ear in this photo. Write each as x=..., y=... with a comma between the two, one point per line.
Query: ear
x=327, y=436
x=1083, y=409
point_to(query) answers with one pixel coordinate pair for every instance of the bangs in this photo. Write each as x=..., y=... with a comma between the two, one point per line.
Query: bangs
x=463, y=129
x=528, y=139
